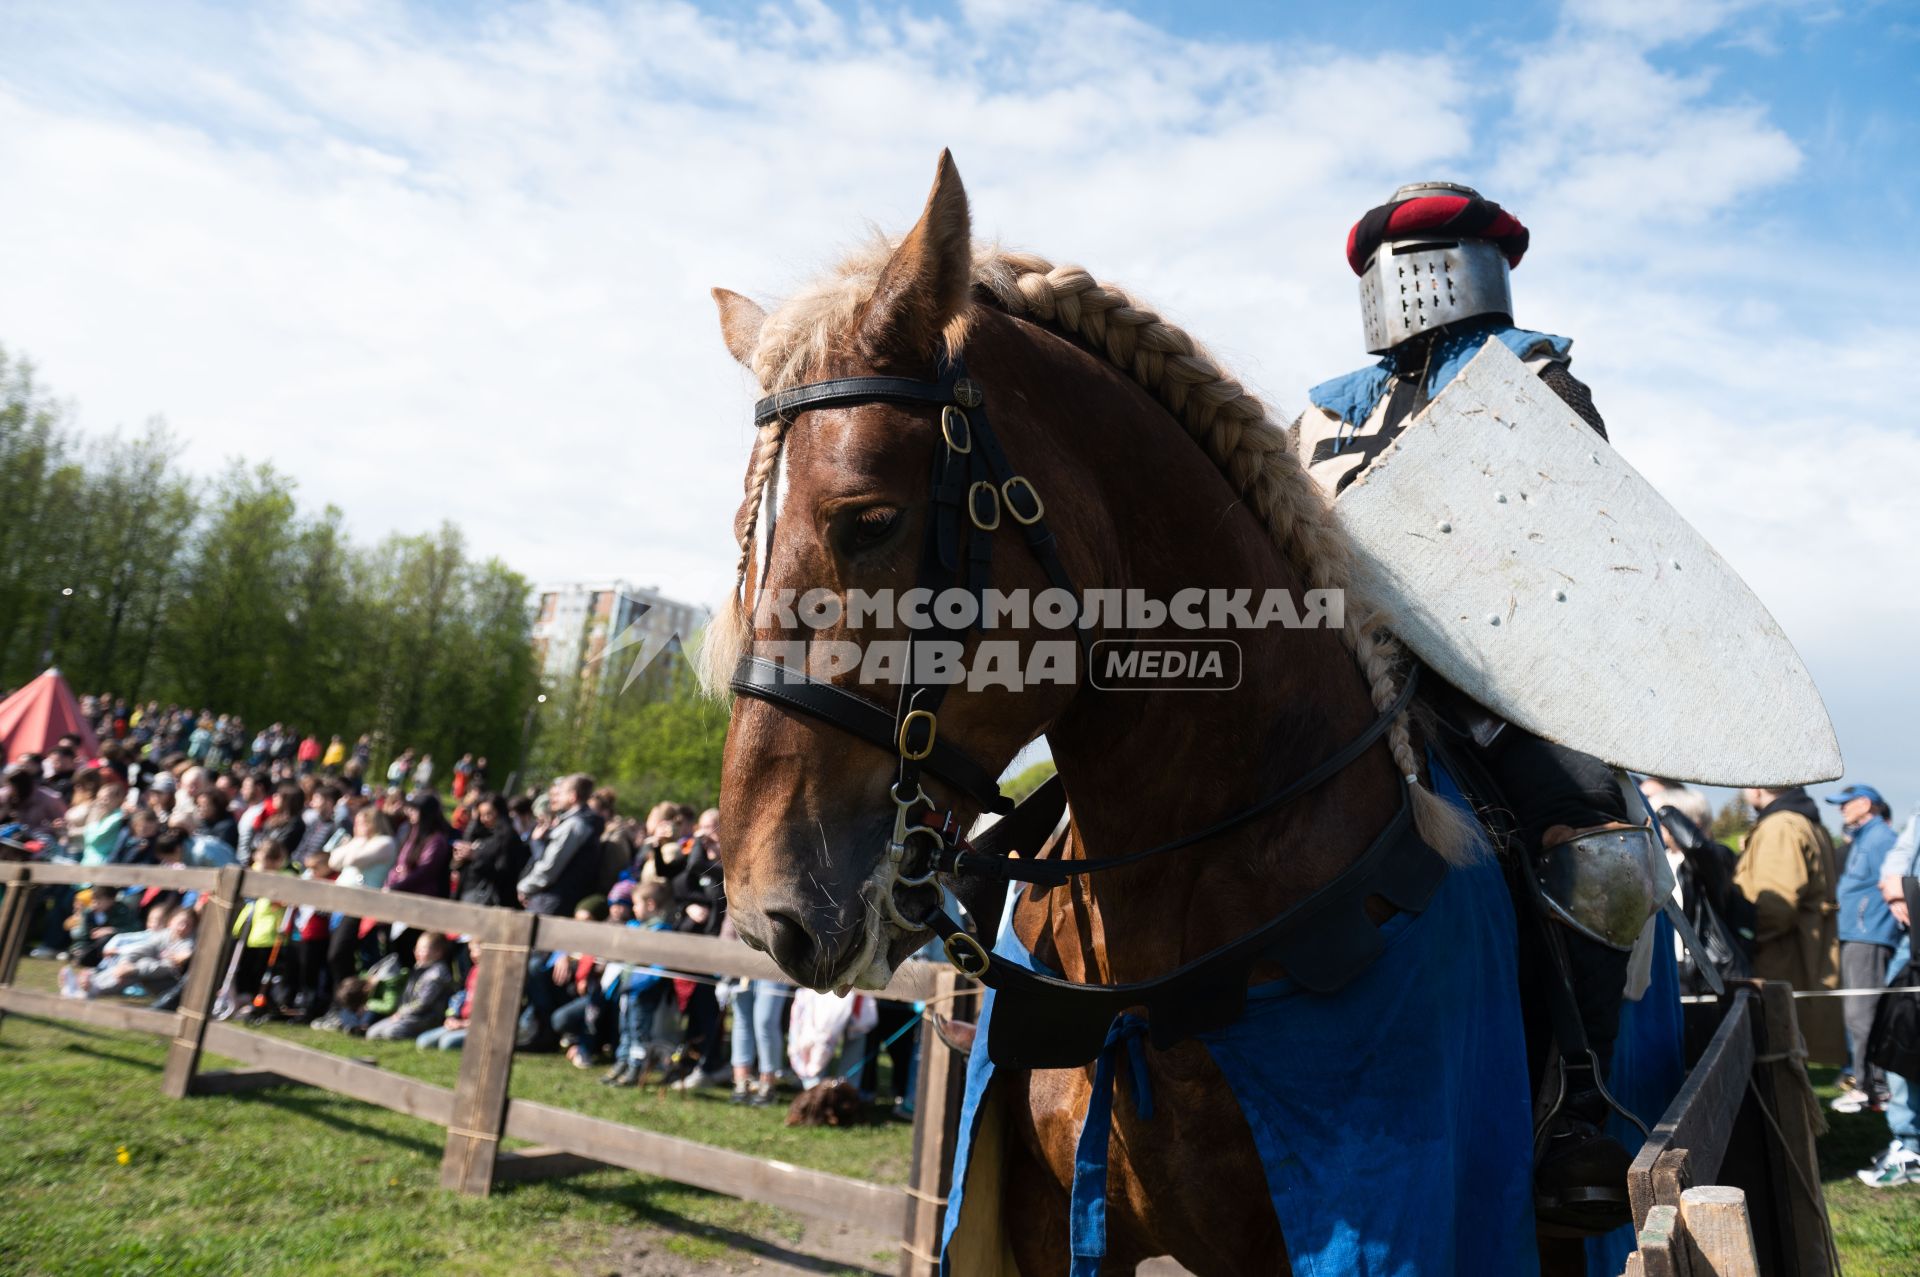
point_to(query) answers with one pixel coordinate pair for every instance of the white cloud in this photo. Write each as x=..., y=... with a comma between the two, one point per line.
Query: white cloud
x=439, y=264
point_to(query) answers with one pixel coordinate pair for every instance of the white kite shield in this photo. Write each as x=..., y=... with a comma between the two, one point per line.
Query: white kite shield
x=1530, y=566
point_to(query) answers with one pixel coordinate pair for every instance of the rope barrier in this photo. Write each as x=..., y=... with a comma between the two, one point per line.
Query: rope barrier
x=1811, y=993
x=920, y=1255
x=873, y=1053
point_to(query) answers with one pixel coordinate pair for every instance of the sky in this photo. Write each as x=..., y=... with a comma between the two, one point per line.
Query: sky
x=451, y=261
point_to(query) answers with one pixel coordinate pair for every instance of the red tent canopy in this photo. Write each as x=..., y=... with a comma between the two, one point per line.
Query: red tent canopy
x=33, y=719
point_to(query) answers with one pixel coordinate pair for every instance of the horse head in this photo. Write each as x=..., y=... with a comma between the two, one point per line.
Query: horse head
x=838, y=504
x=1096, y=407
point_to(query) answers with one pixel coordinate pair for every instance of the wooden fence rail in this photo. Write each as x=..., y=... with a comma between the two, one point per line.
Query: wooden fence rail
x=478, y=1112
x=1746, y=1115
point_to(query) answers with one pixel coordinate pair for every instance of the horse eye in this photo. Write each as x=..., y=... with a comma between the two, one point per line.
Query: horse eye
x=869, y=527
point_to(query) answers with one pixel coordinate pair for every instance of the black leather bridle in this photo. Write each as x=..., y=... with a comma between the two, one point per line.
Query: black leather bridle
x=1042, y=1021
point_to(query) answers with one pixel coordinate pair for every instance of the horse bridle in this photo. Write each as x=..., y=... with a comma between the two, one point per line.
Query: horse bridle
x=1323, y=941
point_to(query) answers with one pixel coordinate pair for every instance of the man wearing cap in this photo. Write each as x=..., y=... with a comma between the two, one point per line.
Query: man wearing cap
x=1433, y=264
x=1868, y=934
x=1788, y=869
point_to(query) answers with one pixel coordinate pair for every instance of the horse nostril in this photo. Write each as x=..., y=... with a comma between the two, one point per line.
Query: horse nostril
x=791, y=945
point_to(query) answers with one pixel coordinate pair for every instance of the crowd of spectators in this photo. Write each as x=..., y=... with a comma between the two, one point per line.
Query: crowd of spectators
x=1824, y=917
x=170, y=787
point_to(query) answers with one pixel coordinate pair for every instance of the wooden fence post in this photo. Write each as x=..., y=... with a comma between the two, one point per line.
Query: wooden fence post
x=1661, y=1245
x=936, y=1134
x=486, y=1059
x=1796, y=1119
x=14, y=907
x=1719, y=1238
x=204, y=969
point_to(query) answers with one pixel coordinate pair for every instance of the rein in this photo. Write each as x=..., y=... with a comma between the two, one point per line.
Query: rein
x=1323, y=941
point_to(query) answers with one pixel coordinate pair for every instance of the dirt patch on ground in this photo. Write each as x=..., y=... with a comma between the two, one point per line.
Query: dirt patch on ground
x=645, y=1251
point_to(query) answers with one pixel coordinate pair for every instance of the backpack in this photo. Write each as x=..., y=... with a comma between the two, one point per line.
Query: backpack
x=1894, y=1043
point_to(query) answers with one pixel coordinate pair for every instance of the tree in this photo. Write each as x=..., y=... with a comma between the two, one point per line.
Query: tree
x=661, y=738
x=35, y=476
x=137, y=512
x=1028, y=780
x=669, y=745
x=240, y=603
x=228, y=630
x=1732, y=821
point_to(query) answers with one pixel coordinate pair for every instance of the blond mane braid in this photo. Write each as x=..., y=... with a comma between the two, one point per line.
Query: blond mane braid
x=1223, y=417
x=726, y=634
x=1234, y=428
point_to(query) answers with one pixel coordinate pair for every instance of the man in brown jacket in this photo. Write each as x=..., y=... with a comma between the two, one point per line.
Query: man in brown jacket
x=1788, y=870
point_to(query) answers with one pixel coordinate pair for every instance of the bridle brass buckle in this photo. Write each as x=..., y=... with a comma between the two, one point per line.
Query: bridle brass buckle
x=983, y=488
x=1020, y=483
x=950, y=418
x=968, y=956
x=906, y=725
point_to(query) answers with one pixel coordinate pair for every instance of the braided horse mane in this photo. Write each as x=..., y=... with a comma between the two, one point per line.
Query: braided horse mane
x=1230, y=423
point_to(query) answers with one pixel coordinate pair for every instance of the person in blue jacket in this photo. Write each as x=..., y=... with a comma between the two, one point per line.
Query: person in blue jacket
x=1868, y=936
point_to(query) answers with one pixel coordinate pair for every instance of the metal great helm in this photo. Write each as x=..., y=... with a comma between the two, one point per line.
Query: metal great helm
x=1434, y=254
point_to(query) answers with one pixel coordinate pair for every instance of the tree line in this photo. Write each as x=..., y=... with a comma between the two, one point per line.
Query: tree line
x=659, y=739
x=224, y=594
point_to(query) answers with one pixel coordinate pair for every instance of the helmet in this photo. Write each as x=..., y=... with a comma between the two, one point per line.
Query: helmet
x=1434, y=254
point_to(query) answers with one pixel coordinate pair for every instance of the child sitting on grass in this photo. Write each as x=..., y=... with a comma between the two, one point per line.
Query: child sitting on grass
x=97, y=919
x=137, y=963
x=452, y=1033
x=424, y=1002
x=349, y=1013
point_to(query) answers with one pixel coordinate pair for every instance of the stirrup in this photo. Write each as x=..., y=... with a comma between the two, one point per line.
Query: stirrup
x=1560, y=1098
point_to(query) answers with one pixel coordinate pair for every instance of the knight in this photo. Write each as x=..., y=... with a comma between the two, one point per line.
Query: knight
x=1433, y=264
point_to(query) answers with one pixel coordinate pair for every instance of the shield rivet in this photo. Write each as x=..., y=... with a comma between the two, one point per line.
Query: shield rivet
x=1493, y=618
x=1500, y=497
x=967, y=391
x=1676, y=565
x=1444, y=526
x=1559, y=596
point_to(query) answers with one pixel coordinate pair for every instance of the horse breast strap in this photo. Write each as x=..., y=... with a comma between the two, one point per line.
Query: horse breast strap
x=1324, y=940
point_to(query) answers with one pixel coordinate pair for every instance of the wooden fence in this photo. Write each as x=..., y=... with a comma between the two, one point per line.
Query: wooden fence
x=1728, y=1185
x=478, y=1112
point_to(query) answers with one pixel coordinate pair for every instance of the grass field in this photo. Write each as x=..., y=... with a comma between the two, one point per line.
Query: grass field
x=297, y=1181
x=1876, y=1229
x=294, y=1180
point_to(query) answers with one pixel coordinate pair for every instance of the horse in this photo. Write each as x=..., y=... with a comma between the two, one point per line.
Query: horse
x=1158, y=472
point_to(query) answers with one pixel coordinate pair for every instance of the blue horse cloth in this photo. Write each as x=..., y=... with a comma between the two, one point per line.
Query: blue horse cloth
x=1391, y=1118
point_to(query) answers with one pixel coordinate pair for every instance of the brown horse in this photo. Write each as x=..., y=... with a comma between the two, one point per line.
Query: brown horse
x=1159, y=473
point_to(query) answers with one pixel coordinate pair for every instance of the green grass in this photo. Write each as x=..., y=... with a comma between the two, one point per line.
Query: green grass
x=295, y=1180
x=1877, y=1230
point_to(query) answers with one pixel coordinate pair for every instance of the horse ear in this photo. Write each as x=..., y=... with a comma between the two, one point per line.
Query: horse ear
x=740, y=321
x=924, y=283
